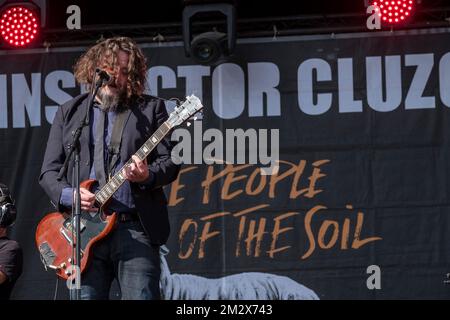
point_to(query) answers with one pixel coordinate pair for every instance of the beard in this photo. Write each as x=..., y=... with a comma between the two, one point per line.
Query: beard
x=111, y=99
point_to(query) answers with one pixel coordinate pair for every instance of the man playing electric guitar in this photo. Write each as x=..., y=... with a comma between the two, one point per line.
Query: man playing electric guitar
x=130, y=253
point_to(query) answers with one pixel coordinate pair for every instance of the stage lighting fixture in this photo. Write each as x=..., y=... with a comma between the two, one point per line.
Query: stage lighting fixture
x=21, y=22
x=210, y=47
x=394, y=11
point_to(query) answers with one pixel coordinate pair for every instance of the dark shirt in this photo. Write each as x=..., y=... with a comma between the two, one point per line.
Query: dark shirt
x=10, y=265
x=122, y=200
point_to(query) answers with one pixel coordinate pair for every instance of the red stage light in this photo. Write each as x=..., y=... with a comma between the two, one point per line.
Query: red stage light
x=19, y=24
x=394, y=11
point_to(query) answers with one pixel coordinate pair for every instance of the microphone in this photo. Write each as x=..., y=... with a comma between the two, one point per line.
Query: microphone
x=104, y=78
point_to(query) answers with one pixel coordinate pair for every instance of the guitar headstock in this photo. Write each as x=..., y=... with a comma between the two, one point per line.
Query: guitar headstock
x=187, y=109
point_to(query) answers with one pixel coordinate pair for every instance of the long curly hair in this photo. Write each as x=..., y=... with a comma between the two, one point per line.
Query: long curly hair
x=104, y=54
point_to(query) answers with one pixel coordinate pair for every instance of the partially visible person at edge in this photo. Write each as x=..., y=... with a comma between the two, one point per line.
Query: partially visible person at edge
x=11, y=255
x=131, y=252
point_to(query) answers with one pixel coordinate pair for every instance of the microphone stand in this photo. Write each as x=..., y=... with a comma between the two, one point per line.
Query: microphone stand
x=74, y=150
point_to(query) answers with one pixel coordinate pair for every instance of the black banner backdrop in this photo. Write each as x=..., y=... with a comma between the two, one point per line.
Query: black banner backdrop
x=363, y=183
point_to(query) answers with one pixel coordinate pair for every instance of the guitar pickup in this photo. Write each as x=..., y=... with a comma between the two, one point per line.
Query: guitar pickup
x=68, y=224
x=66, y=236
x=69, y=238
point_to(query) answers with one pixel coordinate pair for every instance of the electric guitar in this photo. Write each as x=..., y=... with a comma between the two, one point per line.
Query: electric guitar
x=55, y=237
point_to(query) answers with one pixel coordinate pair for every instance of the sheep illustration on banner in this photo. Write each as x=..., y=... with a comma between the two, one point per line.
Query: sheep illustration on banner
x=241, y=286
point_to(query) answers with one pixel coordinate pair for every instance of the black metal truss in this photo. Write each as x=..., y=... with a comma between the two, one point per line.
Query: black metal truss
x=261, y=27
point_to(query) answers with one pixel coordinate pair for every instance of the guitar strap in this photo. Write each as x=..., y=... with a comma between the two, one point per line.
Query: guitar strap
x=116, y=138
x=99, y=154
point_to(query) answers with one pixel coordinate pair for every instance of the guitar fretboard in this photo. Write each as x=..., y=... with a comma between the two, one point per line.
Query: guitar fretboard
x=105, y=193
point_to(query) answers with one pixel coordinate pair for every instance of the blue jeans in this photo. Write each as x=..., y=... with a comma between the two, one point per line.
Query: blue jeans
x=127, y=255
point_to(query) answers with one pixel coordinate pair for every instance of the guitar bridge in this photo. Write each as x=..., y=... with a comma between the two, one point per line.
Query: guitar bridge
x=47, y=256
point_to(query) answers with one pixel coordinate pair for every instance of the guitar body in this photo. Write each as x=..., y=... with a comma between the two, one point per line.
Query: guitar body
x=54, y=237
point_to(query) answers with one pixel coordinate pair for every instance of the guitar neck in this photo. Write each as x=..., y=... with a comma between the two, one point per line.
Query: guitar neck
x=107, y=191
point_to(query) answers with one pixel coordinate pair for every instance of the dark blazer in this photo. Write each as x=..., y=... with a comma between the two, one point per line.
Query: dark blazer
x=146, y=116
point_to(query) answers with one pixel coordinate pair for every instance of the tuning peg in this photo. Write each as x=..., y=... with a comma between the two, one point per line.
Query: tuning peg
x=188, y=124
x=195, y=118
